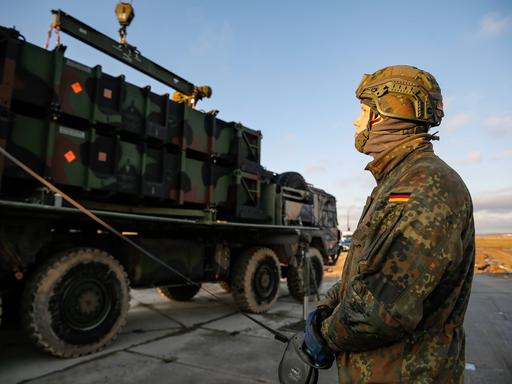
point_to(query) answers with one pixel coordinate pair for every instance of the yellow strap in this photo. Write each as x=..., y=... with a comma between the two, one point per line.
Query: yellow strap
x=53, y=188
x=87, y=212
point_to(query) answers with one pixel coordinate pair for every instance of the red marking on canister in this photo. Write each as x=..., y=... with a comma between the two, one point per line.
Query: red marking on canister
x=77, y=87
x=102, y=156
x=70, y=156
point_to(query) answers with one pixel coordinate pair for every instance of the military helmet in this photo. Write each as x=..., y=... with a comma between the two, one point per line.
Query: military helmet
x=203, y=91
x=403, y=92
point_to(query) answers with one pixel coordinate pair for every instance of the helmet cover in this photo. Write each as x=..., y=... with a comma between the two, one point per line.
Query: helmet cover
x=403, y=92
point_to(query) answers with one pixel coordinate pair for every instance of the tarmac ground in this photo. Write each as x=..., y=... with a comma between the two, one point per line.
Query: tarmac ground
x=204, y=341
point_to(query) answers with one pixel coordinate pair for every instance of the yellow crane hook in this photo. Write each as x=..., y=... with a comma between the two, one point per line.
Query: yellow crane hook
x=125, y=14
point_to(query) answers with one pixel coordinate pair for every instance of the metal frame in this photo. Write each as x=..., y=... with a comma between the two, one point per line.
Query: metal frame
x=125, y=53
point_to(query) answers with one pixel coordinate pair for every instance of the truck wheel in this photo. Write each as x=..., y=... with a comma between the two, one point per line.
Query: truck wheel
x=255, y=282
x=295, y=278
x=0, y=309
x=183, y=293
x=76, y=302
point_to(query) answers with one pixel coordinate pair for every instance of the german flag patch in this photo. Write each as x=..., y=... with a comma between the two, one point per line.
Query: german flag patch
x=399, y=197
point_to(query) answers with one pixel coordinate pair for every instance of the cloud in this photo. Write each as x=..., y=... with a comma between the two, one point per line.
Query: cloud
x=471, y=157
x=493, y=211
x=501, y=125
x=503, y=155
x=495, y=201
x=493, y=222
x=457, y=121
x=495, y=24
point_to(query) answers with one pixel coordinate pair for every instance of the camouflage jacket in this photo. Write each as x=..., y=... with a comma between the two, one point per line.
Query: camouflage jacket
x=179, y=97
x=399, y=306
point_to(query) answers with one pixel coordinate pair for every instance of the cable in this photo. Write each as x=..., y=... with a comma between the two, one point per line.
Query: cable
x=53, y=25
x=277, y=335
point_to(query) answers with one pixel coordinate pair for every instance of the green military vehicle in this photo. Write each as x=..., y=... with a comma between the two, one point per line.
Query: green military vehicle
x=179, y=183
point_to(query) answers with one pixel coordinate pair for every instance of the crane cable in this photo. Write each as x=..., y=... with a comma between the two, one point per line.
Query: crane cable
x=124, y=12
x=54, y=24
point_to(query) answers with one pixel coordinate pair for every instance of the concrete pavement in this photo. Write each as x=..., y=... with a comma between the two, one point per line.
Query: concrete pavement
x=208, y=342
x=488, y=326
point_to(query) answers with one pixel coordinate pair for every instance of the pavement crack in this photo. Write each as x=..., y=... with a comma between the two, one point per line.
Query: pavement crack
x=183, y=325
x=242, y=332
x=70, y=367
x=216, y=319
x=166, y=360
x=163, y=314
x=184, y=330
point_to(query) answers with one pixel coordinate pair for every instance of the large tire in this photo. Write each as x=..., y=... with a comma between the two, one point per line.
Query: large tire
x=0, y=310
x=255, y=280
x=295, y=279
x=179, y=293
x=76, y=302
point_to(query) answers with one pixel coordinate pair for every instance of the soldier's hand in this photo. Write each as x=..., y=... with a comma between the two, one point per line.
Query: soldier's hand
x=320, y=355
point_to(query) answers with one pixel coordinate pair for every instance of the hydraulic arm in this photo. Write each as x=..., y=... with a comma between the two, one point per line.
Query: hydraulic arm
x=125, y=53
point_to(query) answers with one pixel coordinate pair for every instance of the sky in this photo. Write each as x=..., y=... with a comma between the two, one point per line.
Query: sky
x=289, y=68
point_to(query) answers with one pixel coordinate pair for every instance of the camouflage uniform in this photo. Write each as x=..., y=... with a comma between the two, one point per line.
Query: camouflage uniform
x=399, y=307
x=179, y=97
x=191, y=100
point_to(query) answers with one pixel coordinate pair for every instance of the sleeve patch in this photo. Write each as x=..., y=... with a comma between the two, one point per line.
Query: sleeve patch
x=399, y=197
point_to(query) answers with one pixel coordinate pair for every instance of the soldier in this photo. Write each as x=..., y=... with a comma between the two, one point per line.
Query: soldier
x=191, y=100
x=396, y=315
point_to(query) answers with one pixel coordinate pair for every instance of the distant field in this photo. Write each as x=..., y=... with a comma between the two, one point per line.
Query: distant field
x=493, y=255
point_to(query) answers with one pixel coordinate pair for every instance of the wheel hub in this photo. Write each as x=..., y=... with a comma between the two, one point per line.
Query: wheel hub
x=88, y=303
x=85, y=304
x=264, y=282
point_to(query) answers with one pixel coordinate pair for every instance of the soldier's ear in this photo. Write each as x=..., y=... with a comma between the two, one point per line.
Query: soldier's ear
x=375, y=118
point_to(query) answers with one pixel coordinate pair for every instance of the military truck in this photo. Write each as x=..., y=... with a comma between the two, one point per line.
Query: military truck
x=180, y=183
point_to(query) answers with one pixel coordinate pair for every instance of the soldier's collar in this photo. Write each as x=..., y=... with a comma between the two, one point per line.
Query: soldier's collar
x=389, y=159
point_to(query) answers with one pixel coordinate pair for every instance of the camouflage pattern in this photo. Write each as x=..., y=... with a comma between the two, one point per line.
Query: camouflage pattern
x=89, y=96
x=47, y=84
x=198, y=94
x=179, y=97
x=399, y=306
x=201, y=132
x=134, y=155
x=403, y=92
x=107, y=140
x=84, y=158
x=322, y=214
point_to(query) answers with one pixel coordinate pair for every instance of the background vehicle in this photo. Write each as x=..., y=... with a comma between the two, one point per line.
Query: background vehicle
x=346, y=241
x=182, y=184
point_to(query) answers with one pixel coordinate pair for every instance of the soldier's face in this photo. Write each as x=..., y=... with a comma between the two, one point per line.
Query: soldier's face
x=362, y=120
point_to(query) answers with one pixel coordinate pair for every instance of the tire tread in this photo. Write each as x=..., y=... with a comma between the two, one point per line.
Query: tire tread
x=38, y=282
x=294, y=279
x=241, y=271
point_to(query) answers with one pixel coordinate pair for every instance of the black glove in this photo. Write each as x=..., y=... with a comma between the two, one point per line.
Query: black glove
x=315, y=347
